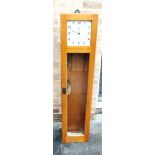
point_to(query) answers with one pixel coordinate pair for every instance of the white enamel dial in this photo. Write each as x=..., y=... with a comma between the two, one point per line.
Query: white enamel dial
x=78, y=33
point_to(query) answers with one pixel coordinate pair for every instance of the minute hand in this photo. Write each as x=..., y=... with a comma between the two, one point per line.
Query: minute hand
x=75, y=31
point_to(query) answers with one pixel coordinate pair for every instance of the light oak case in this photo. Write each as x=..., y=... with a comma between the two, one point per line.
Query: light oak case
x=85, y=54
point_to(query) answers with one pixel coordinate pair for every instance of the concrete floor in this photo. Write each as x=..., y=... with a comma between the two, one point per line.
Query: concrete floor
x=93, y=147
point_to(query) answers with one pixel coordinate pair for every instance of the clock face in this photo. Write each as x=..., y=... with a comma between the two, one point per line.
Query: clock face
x=78, y=33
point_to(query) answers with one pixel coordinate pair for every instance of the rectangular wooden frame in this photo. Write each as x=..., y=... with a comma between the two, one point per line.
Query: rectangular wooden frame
x=77, y=49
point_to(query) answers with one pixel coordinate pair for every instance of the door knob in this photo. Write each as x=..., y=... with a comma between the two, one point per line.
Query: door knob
x=67, y=90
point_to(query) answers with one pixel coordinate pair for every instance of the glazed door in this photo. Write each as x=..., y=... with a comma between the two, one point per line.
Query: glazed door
x=77, y=78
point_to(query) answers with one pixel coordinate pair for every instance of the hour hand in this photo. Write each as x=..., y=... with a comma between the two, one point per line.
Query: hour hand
x=75, y=31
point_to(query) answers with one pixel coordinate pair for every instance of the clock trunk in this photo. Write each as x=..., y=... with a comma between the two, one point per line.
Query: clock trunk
x=77, y=75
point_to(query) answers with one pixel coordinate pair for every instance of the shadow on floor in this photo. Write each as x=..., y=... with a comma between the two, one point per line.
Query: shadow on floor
x=92, y=147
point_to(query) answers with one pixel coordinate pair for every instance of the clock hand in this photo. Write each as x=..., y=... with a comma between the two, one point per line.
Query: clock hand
x=78, y=31
x=75, y=31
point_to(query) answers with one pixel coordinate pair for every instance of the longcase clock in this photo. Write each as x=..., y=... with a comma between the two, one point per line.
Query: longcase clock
x=78, y=45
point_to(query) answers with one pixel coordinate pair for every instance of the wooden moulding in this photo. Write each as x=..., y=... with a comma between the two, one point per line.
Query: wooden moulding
x=70, y=137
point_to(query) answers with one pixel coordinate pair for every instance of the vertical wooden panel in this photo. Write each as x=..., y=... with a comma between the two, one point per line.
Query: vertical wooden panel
x=91, y=75
x=63, y=28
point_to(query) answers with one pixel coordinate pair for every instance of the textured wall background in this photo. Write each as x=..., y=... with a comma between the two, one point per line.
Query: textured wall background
x=69, y=6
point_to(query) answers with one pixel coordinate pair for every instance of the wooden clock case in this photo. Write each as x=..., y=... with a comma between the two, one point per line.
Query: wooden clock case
x=77, y=70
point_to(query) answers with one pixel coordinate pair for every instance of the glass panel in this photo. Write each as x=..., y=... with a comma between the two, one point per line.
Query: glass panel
x=77, y=76
x=78, y=33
